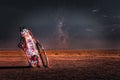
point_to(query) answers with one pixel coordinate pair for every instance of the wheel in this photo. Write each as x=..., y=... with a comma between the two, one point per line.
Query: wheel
x=44, y=59
x=43, y=56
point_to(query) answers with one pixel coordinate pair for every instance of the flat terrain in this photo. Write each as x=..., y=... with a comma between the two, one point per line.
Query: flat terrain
x=63, y=65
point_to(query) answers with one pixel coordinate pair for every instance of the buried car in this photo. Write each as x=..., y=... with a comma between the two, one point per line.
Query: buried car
x=34, y=51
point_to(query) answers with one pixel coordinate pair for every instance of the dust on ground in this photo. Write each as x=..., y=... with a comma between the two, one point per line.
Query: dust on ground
x=63, y=65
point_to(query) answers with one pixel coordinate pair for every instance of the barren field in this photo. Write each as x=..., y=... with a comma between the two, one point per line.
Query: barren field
x=63, y=65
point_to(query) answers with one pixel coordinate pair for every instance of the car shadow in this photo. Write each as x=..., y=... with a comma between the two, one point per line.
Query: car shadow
x=14, y=67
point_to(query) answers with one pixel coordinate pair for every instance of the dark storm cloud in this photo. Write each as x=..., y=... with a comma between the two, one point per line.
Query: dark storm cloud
x=86, y=22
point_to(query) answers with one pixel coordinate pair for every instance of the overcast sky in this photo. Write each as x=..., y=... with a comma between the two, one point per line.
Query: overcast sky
x=86, y=24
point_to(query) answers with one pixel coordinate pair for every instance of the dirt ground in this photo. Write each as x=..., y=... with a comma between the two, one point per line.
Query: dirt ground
x=63, y=65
